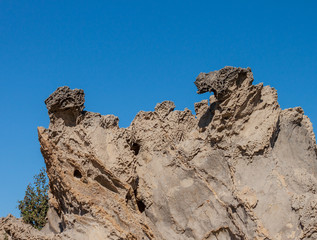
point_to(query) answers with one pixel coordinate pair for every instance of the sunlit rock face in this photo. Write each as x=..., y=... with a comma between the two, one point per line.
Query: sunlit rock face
x=239, y=168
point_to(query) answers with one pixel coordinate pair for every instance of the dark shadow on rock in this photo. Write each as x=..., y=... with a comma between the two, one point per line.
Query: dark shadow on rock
x=207, y=117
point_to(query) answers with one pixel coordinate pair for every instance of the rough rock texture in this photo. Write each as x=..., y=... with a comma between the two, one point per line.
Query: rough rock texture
x=240, y=168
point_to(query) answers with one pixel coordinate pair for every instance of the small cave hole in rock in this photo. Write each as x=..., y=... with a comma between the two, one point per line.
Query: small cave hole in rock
x=135, y=148
x=77, y=174
x=128, y=197
x=233, y=209
x=141, y=205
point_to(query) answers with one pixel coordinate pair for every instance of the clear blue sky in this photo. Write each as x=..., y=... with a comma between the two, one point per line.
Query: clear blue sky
x=129, y=55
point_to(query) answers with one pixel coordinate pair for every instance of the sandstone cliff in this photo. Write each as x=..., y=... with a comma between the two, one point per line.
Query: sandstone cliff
x=239, y=168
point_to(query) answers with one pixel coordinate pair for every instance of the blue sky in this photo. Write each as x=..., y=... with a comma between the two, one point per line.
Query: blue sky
x=130, y=55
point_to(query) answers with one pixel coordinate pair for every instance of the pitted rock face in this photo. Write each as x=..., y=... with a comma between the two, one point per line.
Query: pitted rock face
x=64, y=98
x=65, y=105
x=164, y=108
x=223, y=81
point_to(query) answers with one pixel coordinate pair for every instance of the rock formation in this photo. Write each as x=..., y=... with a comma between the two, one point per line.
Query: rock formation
x=240, y=168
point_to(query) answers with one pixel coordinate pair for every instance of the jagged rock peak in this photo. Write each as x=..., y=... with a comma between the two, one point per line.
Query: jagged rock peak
x=65, y=98
x=223, y=81
x=164, y=108
x=65, y=104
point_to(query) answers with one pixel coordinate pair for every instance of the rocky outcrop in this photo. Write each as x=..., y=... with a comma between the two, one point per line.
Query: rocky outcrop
x=239, y=168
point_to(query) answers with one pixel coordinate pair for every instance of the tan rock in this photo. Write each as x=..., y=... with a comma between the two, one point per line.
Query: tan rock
x=241, y=168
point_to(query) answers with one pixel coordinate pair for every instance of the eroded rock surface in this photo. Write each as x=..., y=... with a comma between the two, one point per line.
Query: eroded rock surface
x=239, y=168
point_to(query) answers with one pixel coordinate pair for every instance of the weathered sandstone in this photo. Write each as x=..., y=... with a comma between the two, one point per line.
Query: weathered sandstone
x=239, y=168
